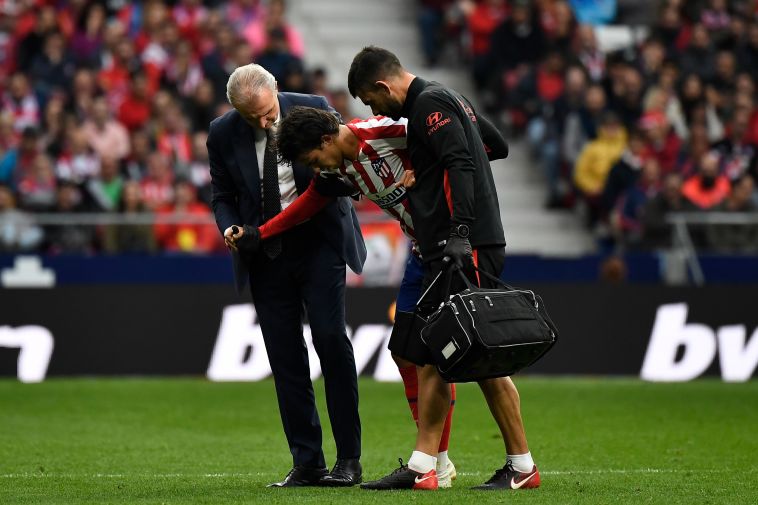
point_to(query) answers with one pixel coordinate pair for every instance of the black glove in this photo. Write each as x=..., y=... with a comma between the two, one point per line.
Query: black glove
x=250, y=241
x=458, y=249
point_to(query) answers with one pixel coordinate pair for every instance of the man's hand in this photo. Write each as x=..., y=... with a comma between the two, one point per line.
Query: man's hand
x=407, y=180
x=231, y=235
x=458, y=249
x=243, y=238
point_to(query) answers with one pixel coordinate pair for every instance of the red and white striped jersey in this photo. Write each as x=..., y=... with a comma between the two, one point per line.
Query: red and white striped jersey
x=382, y=160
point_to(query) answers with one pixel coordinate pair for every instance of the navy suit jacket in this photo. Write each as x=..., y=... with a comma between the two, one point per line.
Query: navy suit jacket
x=237, y=192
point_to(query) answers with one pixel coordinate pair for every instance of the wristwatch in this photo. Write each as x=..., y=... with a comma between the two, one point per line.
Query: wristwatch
x=461, y=230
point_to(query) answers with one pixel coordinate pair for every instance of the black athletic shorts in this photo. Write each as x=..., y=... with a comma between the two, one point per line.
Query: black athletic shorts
x=405, y=340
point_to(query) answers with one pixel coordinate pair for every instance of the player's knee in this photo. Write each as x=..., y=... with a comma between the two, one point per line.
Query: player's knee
x=400, y=362
x=501, y=386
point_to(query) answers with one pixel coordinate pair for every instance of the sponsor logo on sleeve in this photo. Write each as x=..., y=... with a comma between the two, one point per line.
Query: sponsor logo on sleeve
x=468, y=110
x=435, y=121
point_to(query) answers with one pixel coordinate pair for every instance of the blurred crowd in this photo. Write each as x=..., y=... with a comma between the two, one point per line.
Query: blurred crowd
x=105, y=107
x=669, y=123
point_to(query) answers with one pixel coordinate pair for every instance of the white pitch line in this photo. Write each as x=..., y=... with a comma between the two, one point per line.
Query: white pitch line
x=268, y=474
x=629, y=471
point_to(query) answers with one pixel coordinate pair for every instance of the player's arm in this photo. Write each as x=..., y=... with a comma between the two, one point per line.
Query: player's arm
x=446, y=138
x=494, y=143
x=305, y=206
x=332, y=184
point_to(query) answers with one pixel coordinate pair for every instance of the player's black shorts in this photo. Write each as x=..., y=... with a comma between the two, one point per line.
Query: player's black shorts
x=405, y=340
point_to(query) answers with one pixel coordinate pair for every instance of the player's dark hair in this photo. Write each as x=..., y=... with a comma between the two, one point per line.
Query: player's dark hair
x=301, y=131
x=370, y=65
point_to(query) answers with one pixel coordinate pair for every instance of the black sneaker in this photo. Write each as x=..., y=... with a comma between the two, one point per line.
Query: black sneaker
x=508, y=478
x=404, y=478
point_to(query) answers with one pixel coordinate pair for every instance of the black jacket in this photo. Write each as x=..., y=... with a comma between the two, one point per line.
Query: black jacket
x=454, y=183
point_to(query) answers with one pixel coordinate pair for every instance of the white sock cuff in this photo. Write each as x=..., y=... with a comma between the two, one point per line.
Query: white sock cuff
x=422, y=462
x=521, y=462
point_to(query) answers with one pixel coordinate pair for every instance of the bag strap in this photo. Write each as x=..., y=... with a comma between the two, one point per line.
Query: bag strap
x=495, y=279
x=481, y=272
x=448, y=269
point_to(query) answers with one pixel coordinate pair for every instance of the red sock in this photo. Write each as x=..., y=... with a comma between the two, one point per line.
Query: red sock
x=444, y=441
x=410, y=381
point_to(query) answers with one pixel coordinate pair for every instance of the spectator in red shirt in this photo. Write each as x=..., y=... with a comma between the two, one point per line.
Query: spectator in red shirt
x=37, y=186
x=115, y=78
x=173, y=138
x=159, y=51
x=157, y=186
x=188, y=15
x=187, y=237
x=662, y=143
x=136, y=109
x=482, y=21
x=708, y=188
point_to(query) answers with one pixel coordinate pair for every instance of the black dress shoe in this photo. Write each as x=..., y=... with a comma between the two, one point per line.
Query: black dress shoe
x=302, y=476
x=346, y=472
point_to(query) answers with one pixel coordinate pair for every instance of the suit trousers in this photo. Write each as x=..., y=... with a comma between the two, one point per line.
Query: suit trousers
x=308, y=278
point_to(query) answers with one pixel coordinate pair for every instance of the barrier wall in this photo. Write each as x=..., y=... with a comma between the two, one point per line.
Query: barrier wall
x=658, y=333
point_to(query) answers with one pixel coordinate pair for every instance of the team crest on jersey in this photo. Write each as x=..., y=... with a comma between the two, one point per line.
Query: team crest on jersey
x=381, y=167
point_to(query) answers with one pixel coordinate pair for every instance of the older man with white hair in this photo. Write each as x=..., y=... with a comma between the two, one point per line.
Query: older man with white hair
x=302, y=269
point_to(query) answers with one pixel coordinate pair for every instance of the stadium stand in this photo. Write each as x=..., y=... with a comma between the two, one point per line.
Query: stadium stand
x=681, y=85
x=105, y=107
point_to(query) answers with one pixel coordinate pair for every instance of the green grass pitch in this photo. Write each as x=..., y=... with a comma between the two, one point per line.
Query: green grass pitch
x=596, y=441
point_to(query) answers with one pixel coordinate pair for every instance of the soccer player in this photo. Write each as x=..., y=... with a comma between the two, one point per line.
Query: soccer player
x=456, y=216
x=371, y=156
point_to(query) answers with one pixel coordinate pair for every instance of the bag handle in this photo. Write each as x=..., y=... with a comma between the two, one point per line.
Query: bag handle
x=448, y=267
x=481, y=272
